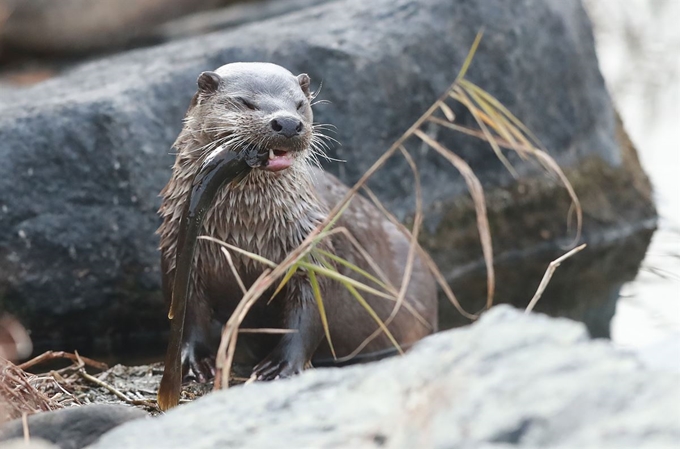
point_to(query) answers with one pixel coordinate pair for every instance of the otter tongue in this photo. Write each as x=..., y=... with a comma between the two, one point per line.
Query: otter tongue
x=279, y=161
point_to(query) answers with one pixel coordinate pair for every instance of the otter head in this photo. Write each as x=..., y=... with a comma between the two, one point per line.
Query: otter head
x=254, y=105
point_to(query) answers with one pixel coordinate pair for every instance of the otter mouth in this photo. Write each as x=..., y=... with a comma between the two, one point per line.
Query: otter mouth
x=278, y=160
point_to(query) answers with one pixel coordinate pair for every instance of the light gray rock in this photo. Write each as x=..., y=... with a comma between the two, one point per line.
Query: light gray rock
x=83, y=156
x=510, y=380
x=34, y=443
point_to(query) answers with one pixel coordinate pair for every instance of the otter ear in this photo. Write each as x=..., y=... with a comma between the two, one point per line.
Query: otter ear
x=208, y=82
x=304, y=81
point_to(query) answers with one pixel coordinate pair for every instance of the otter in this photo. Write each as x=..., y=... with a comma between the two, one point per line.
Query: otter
x=270, y=212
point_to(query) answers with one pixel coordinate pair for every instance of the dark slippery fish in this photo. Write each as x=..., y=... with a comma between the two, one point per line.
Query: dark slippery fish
x=221, y=168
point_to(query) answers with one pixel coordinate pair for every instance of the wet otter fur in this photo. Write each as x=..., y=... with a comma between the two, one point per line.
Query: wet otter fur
x=270, y=213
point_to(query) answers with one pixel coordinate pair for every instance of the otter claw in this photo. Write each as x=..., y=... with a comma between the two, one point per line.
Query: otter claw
x=198, y=369
x=273, y=370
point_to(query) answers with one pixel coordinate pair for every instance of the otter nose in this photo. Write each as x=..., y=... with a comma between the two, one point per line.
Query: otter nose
x=286, y=126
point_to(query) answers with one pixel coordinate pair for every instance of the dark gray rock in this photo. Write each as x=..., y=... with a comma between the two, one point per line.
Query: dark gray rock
x=83, y=156
x=510, y=380
x=73, y=427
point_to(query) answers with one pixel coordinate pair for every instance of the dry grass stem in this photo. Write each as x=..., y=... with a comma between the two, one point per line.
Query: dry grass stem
x=24, y=424
x=101, y=383
x=239, y=281
x=413, y=243
x=225, y=354
x=477, y=193
x=448, y=113
x=18, y=393
x=52, y=355
x=482, y=120
x=432, y=266
x=265, y=330
x=548, y=275
x=406, y=278
x=541, y=156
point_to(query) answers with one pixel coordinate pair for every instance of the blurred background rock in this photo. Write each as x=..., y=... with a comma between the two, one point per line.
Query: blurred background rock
x=80, y=27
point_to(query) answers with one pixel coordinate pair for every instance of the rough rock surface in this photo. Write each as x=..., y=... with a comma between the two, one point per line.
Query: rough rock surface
x=510, y=380
x=73, y=427
x=83, y=156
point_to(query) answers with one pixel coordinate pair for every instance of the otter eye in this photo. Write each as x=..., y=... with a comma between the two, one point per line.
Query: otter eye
x=247, y=103
x=300, y=104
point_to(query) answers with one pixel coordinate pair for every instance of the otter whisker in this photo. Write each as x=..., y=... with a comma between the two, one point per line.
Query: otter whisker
x=327, y=157
x=209, y=146
x=320, y=102
x=320, y=146
x=327, y=137
x=321, y=138
x=316, y=93
x=328, y=126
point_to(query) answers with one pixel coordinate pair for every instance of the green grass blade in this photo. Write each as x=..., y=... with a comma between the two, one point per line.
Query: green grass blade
x=289, y=274
x=352, y=267
x=470, y=56
x=322, y=310
x=342, y=278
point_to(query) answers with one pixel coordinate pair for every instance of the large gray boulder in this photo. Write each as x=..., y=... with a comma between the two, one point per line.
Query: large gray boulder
x=510, y=380
x=83, y=156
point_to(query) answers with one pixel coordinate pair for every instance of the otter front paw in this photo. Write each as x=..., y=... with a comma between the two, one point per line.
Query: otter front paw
x=197, y=368
x=276, y=367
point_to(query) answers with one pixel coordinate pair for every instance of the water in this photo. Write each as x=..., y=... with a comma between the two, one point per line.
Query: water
x=638, y=44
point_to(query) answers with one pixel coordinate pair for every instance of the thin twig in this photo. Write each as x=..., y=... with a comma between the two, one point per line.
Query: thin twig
x=548, y=275
x=103, y=384
x=51, y=355
x=113, y=390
